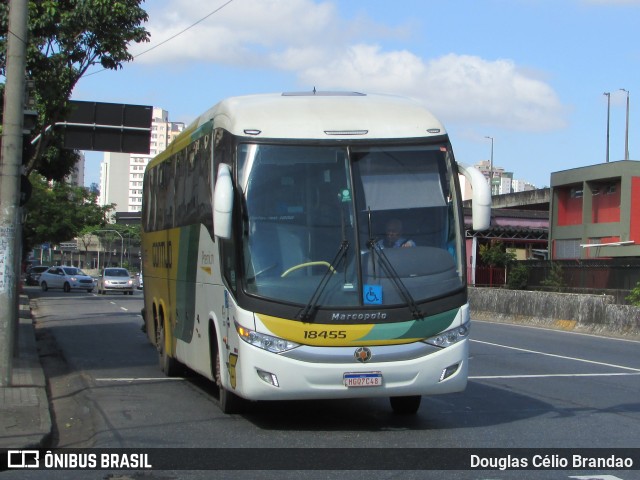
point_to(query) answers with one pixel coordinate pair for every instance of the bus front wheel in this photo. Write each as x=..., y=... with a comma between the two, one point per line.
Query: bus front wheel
x=405, y=405
x=229, y=401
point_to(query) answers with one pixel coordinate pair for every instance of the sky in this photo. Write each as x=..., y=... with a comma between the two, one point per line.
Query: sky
x=531, y=74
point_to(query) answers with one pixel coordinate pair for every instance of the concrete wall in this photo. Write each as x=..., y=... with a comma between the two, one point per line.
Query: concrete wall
x=598, y=314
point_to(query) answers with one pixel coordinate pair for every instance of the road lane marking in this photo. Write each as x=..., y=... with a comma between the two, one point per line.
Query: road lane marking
x=492, y=377
x=568, y=332
x=125, y=309
x=138, y=379
x=564, y=357
x=597, y=477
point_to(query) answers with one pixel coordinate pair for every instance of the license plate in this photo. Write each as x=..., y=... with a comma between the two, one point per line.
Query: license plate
x=362, y=379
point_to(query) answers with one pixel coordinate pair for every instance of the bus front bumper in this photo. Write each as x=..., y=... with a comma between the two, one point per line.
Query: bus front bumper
x=256, y=374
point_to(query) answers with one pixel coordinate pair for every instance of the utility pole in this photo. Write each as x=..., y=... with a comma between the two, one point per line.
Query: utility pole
x=10, y=170
x=626, y=131
x=608, y=95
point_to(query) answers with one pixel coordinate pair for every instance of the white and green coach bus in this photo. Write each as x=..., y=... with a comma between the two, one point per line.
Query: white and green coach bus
x=266, y=263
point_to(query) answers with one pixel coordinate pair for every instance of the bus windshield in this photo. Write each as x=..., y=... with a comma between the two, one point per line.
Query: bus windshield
x=349, y=225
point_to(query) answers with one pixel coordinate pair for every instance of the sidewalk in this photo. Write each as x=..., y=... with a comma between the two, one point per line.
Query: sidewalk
x=25, y=420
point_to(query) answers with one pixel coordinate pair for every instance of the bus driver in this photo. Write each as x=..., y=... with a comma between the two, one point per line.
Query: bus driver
x=394, y=238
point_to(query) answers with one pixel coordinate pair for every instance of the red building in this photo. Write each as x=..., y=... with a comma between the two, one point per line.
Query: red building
x=595, y=211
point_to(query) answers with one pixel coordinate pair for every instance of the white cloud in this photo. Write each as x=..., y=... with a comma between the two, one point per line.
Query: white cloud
x=320, y=49
x=240, y=34
x=459, y=88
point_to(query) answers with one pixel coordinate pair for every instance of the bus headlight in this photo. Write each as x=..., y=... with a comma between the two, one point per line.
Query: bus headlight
x=265, y=342
x=450, y=337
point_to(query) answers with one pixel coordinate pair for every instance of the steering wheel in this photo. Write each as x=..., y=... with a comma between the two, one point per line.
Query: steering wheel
x=308, y=264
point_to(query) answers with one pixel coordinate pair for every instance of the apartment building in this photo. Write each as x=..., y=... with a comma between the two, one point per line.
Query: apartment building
x=121, y=174
x=76, y=176
x=502, y=182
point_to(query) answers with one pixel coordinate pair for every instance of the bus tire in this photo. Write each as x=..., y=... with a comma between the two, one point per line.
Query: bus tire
x=228, y=401
x=144, y=320
x=405, y=405
x=168, y=364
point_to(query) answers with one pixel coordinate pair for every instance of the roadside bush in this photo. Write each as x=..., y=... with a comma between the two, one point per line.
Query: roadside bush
x=634, y=297
x=555, y=279
x=518, y=277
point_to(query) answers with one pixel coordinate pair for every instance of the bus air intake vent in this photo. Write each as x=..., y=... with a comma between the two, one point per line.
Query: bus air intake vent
x=346, y=132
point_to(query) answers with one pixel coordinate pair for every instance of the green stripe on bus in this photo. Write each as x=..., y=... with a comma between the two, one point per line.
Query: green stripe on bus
x=423, y=328
x=186, y=283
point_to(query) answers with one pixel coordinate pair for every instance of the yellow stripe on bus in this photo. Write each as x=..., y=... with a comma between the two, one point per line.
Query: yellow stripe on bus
x=329, y=335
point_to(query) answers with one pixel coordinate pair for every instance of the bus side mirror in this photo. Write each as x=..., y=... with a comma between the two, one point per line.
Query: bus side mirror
x=223, y=202
x=481, y=199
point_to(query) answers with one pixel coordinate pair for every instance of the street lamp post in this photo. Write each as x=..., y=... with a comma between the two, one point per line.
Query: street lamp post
x=608, y=95
x=626, y=131
x=491, y=166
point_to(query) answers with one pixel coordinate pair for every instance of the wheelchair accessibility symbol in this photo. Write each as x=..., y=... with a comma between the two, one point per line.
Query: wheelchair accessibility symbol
x=372, y=294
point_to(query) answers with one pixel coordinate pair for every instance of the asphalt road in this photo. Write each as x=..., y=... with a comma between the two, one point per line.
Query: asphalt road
x=528, y=388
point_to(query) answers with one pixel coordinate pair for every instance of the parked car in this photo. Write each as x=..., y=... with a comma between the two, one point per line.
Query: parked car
x=66, y=278
x=115, y=280
x=33, y=274
x=140, y=281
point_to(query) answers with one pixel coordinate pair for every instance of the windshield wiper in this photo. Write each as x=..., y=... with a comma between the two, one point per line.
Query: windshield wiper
x=376, y=249
x=307, y=312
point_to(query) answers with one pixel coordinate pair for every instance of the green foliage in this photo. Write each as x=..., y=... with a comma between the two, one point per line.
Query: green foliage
x=57, y=212
x=634, y=297
x=66, y=38
x=518, y=276
x=555, y=279
x=496, y=255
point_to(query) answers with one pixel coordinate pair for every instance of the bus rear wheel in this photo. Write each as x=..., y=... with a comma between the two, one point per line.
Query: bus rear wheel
x=405, y=405
x=168, y=365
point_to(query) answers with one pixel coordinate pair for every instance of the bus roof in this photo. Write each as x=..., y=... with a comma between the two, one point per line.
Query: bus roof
x=323, y=115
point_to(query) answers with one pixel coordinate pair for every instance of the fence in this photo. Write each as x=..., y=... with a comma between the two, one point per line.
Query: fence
x=609, y=274
x=489, y=276
x=615, y=276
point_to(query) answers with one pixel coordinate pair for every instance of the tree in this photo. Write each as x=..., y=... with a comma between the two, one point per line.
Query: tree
x=65, y=40
x=85, y=237
x=495, y=255
x=115, y=236
x=57, y=212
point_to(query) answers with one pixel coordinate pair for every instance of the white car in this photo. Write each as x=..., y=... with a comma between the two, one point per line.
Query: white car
x=115, y=280
x=66, y=278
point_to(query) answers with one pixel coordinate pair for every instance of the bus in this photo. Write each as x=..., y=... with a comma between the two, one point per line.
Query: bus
x=264, y=255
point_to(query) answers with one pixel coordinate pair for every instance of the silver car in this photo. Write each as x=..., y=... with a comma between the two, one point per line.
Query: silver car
x=115, y=280
x=66, y=278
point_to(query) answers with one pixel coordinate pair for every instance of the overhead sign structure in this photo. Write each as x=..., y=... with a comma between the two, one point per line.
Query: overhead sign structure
x=108, y=127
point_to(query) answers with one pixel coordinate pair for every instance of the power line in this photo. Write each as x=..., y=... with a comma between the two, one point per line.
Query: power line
x=182, y=31
x=173, y=36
